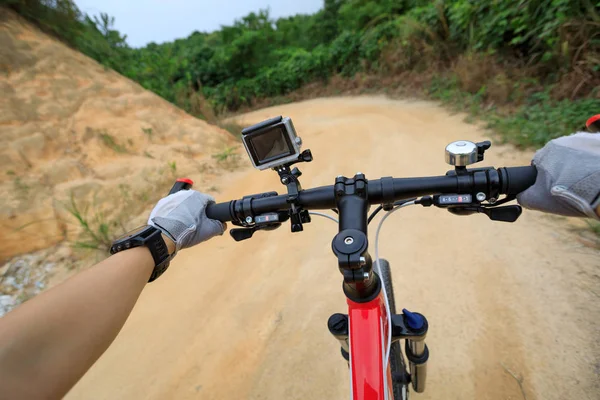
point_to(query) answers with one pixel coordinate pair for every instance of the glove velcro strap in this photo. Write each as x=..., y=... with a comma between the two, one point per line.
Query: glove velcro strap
x=174, y=229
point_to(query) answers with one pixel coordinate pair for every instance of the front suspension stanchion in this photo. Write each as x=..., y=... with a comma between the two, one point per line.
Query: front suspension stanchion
x=417, y=363
x=409, y=326
x=412, y=327
x=338, y=325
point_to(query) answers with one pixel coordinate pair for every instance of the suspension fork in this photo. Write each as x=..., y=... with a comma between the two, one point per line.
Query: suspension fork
x=404, y=327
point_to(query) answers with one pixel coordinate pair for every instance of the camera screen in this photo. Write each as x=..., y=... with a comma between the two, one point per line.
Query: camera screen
x=270, y=144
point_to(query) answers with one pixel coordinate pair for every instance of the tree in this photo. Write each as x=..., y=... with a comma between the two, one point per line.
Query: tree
x=104, y=25
x=329, y=20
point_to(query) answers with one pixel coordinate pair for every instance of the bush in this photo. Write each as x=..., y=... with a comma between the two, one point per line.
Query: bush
x=541, y=119
x=61, y=18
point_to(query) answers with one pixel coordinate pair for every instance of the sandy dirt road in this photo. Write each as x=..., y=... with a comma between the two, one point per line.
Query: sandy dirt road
x=513, y=308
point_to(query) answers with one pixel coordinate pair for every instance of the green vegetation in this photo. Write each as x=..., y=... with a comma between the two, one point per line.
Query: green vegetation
x=98, y=227
x=529, y=67
x=147, y=131
x=173, y=167
x=96, y=232
x=110, y=142
x=93, y=36
x=21, y=188
x=531, y=123
x=226, y=154
x=232, y=127
x=594, y=227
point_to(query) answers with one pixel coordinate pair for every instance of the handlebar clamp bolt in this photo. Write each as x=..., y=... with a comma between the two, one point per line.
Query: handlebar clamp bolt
x=493, y=200
x=248, y=219
x=363, y=261
x=480, y=196
x=348, y=240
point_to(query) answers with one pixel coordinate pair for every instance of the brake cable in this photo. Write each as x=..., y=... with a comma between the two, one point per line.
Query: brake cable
x=380, y=207
x=403, y=204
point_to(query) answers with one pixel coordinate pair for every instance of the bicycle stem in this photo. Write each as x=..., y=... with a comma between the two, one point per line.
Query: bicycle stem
x=351, y=243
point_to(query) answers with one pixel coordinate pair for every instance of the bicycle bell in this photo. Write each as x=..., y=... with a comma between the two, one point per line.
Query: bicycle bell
x=461, y=153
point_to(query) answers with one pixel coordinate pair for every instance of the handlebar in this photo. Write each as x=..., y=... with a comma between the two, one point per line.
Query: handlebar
x=464, y=191
x=518, y=179
x=492, y=182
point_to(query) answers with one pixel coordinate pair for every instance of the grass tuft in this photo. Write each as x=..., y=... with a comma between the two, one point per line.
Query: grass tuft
x=110, y=142
x=96, y=230
x=227, y=154
x=21, y=188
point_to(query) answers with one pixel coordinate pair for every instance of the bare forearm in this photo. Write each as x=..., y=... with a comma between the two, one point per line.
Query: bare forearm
x=49, y=342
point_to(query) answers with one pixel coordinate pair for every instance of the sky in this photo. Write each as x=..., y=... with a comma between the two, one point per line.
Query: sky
x=145, y=21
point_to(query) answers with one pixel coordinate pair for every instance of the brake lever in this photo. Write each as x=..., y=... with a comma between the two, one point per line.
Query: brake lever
x=239, y=234
x=505, y=214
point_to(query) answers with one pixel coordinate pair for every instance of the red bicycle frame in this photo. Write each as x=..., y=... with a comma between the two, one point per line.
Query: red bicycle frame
x=368, y=336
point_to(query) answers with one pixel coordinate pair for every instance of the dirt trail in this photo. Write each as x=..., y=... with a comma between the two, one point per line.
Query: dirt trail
x=513, y=308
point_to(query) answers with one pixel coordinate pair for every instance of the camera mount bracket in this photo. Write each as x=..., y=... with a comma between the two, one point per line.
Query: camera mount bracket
x=289, y=177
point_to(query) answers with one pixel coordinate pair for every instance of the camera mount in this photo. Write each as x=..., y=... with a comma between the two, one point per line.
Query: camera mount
x=289, y=177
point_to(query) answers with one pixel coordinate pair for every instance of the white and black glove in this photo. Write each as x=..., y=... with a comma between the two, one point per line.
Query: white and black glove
x=568, y=178
x=182, y=217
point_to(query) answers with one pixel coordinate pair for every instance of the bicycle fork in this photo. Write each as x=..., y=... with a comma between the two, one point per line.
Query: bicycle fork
x=409, y=326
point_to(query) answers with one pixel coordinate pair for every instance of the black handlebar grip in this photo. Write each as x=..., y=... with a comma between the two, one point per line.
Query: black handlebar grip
x=220, y=212
x=517, y=179
x=181, y=184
